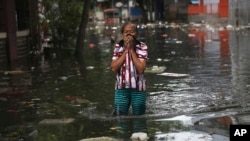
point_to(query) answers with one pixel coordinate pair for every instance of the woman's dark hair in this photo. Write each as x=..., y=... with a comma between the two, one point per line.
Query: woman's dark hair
x=121, y=43
x=127, y=23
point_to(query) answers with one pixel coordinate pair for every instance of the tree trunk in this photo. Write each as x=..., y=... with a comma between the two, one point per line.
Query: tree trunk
x=82, y=27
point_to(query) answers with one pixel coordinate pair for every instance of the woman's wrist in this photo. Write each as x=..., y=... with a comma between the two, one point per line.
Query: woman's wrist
x=132, y=50
x=125, y=51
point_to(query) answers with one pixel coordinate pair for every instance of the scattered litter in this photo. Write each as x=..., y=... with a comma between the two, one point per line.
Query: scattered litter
x=33, y=134
x=155, y=69
x=36, y=99
x=139, y=136
x=159, y=59
x=173, y=41
x=164, y=35
x=99, y=139
x=91, y=45
x=173, y=74
x=57, y=121
x=82, y=101
x=116, y=128
x=178, y=42
x=191, y=35
x=173, y=52
x=90, y=67
x=63, y=78
x=229, y=27
x=14, y=72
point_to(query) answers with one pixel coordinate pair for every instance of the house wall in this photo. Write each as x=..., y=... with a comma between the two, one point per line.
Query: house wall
x=15, y=29
x=216, y=7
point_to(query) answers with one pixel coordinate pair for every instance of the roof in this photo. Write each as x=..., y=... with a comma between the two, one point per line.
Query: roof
x=111, y=9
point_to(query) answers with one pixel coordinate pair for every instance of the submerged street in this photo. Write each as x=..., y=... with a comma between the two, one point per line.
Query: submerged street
x=197, y=77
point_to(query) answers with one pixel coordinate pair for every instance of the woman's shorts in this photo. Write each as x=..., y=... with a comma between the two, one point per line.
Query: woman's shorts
x=126, y=97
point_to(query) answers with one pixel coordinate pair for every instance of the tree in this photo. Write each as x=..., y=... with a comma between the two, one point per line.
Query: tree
x=82, y=28
x=62, y=18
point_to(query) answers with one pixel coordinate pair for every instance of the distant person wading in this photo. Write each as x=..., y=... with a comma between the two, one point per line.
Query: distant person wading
x=129, y=62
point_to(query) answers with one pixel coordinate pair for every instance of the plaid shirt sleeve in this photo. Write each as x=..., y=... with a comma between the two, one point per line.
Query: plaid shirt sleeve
x=142, y=51
x=118, y=50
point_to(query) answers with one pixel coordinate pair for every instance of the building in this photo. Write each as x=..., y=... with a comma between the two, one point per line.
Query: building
x=18, y=29
x=208, y=10
x=195, y=10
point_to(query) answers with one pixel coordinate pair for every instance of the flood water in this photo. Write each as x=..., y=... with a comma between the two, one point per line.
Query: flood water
x=197, y=84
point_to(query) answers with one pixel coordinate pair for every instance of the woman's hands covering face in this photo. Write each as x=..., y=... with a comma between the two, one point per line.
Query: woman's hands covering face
x=129, y=41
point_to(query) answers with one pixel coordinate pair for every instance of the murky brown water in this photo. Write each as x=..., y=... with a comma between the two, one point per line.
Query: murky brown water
x=193, y=72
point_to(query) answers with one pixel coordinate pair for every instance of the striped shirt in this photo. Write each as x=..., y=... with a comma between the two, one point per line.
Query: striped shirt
x=127, y=76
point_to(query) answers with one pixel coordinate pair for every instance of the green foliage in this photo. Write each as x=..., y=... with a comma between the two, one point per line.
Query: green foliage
x=63, y=18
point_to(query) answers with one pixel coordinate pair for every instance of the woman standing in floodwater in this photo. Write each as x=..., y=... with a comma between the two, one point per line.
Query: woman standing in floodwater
x=129, y=62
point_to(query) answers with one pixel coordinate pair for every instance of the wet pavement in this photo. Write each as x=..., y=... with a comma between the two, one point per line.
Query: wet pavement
x=197, y=77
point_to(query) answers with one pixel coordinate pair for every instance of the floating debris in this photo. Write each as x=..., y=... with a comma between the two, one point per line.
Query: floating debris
x=14, y=72
x=80, y=101
x=173, y=74
x=139, y=136
x=191, y=35
x=116, y=128
x=173, y=41
x=91, y=45
x=57, y=121
x=229, y=27
x=164, y=35
x=155, y=69
x=178, y=42
x=90, y=67
x=159, y=59
x=64, y=78
x=99, y=139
